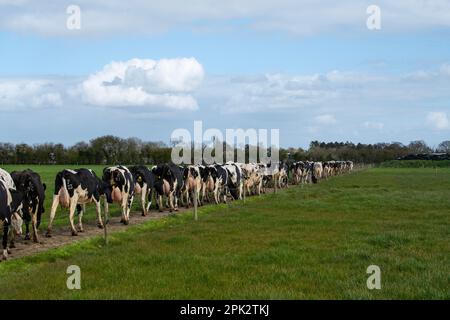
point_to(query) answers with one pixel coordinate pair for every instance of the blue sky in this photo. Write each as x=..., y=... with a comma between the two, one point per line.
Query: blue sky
x=311, y=69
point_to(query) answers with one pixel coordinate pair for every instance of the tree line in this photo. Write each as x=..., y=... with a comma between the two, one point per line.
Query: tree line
x=114, y=150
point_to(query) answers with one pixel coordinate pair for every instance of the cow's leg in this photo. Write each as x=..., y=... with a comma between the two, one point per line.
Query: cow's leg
x=129, y=204
x=34, y=225
x=200, y=193
x=123, y=207
x=171, y=195
x=225, y=194
x=72, y=208
x=175, y=201
x=55, y=204
x=160, y=203
x=98, y=209
x=80, y=217
x=143, y=197
x=106, y=208
x=5, y=239
x=216, y=194
x=187, y=198
x=149, y=199
x=27, y=229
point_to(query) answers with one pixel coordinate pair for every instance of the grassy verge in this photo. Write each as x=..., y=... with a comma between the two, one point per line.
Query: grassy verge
x=416, y=164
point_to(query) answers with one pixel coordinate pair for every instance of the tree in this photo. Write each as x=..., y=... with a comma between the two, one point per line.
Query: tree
x=444, y=146
x=419, y=146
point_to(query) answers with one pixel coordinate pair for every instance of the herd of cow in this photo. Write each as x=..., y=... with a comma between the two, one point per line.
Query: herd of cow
x=22, y=193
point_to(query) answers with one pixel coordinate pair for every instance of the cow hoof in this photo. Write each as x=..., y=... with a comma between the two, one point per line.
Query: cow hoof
x=12, y=245
x=126, y=222
x=27, y=237
x=176, y=209
x=80, y=230
x=74, y=233
x=100, y=226
x=8, y=251
x=48, y=234
x=160, y=210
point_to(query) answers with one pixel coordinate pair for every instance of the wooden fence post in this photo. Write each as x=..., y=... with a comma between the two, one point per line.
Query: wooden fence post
x=105, y=223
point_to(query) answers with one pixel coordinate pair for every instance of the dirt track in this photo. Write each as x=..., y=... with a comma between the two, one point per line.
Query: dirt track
x=62, y=236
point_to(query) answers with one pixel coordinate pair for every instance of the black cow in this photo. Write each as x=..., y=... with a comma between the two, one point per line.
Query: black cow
x=10, y=202
x=119, y=187
x=73, y=189
x=30, y=184
x=144, y=185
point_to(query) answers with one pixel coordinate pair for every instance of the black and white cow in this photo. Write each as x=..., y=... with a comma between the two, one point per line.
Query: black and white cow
x=265, y=171
x=169, y=182
x=193, y=184
x=10, y=204
x=144, y=185
x=119, y=188
x=219, y=176
x=280, y=175
x=30, y=184
x=73, y=190
x=235, y=179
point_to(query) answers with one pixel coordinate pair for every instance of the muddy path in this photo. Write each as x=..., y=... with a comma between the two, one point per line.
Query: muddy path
x=62, y=235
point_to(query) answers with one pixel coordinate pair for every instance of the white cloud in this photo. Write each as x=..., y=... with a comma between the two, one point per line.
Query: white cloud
x=21, y=94
x=373, y=125
x=165, y=83
x=294, y=16
x=438, y=120
x=325, y=119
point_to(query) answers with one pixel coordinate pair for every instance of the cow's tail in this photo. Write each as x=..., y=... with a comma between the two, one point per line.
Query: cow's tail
x=314, y=178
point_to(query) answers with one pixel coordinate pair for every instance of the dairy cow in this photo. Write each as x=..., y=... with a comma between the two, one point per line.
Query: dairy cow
x=10, y=203
x=317, y=172
x=169, y=182
x=119, y=185
x=144, y=186
x=192, y=185
x=235, y=180
x=30, y=184
x=252, y=178
x=73, y=190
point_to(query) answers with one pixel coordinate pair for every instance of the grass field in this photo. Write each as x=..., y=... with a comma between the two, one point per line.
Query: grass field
x=302, y=243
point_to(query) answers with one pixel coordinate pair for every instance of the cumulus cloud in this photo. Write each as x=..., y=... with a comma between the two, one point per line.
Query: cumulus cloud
x=166, y=83
x=438, y=120
x=20, y=94
x=325, y=119
x=297, y=17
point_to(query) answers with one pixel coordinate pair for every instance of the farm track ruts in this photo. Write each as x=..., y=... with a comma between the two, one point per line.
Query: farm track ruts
x=62, y=236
